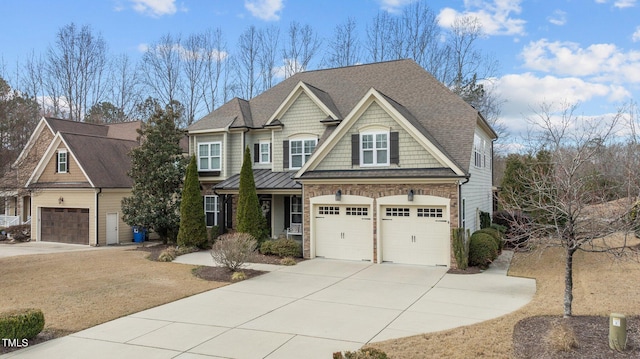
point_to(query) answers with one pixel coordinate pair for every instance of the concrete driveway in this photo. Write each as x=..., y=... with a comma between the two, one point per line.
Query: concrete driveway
x=305, y=311
x=36, y=247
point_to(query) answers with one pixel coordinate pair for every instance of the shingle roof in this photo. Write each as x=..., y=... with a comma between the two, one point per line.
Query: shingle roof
x=265, y=179
x=437, y=112
x=105, y=160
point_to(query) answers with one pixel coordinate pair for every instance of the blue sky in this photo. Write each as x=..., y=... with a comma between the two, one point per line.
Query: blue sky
x=585, y=51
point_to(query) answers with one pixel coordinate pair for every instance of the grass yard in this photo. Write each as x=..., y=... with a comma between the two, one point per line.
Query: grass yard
x=602, y=286
x=77, y=290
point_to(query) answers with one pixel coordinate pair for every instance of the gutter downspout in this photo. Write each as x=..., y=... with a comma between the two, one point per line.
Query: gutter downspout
x=98, y=215
x=460, y=209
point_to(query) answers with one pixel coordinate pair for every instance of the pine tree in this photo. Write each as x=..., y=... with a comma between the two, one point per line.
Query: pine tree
x=193, y=231
x=157, y=170
x=250, y=217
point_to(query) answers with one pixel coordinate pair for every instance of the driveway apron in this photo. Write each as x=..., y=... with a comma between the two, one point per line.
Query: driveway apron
x=309, y=310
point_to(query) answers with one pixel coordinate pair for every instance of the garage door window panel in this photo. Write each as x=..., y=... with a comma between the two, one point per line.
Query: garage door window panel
x=430, y=212
x=397, y=212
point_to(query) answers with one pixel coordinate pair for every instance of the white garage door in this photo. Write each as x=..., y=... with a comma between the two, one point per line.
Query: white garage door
x=343, y=231
x=415, y=235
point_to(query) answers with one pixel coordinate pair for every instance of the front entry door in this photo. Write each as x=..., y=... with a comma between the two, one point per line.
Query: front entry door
x=265, y=204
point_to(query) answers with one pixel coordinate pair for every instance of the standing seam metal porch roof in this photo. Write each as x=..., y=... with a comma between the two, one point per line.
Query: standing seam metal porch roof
x=265, y=179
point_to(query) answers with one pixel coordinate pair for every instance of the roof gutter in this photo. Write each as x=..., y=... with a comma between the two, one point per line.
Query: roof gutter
x=98, y=215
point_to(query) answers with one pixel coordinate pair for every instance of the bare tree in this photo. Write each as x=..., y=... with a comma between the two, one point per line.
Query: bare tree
x=194, y=66
x=300, y=47
x=19, y=116
x=247, y=62
x=161, y=69
x=124, y=91
x=566, y=198
x=344, y=48
x=268, y=39
x=76, y=64
x=215, y=52
x=33, y=79
x=380, y=38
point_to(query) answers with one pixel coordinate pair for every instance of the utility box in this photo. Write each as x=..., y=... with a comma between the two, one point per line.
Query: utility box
x=617, y=331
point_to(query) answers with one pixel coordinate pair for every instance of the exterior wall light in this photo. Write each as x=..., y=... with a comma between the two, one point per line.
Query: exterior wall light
x=338, y=195
x=410, y=195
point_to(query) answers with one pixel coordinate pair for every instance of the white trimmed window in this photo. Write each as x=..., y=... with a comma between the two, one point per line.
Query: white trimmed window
x=63, y=161
x=265, y=152
x=300, y=151
x=479, y=152
x=209, y=156
x=374, y=149
x=211, y=210
x=296, y=209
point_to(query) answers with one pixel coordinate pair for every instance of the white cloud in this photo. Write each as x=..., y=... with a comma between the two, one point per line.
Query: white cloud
x=636, y=35
x=558, y=17
x=393, y=6
x=620, y=4
x=524, y=92
x=495, y=16
x=155, y=8
x=264, y=9
x=602, y=62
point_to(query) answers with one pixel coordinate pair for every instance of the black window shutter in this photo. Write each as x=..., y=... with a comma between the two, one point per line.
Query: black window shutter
x=270, y=153
x=229, y=204
x=57, y=166
x=394, y=157
x=256, y=152
x=355, y=149
x=287, y=211
x=285, y=154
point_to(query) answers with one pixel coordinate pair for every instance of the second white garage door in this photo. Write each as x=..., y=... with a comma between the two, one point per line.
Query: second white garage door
x=343, y=231
x=415, y=235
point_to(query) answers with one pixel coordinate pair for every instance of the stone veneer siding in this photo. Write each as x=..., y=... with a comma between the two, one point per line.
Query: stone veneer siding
x=447, y=190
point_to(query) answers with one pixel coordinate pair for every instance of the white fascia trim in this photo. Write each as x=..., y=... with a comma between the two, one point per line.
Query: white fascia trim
x=371, y=96
x=34, y=136
x=51, y=150
x=213, y=130
x=300, y=88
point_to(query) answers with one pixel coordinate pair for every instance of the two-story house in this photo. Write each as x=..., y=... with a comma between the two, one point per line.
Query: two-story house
x=70, y=179
x=371, y=162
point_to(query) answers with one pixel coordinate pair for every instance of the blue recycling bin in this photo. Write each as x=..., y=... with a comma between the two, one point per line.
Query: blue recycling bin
x=139, y=234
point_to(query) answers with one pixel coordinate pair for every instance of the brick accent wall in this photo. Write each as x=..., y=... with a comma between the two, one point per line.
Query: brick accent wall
x=375, y=191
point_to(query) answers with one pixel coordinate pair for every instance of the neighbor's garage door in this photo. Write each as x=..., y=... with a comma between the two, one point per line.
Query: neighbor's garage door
x=415, y=235
x=343, y=231
x=65, y=225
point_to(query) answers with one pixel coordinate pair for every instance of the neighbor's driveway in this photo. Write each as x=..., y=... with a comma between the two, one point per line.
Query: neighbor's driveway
x=37, y=247
x=305, y=311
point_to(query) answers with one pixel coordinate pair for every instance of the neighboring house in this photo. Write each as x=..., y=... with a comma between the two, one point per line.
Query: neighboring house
x=371, y=162
x=71, y=177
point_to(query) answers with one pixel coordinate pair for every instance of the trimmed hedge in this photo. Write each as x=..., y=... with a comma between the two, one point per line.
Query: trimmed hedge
x=482, y=250
x=281, y=247
x=21, y=324
x=495, y=234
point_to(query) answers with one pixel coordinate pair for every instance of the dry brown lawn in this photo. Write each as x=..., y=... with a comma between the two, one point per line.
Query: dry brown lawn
x=77, y=290
x=602, y=285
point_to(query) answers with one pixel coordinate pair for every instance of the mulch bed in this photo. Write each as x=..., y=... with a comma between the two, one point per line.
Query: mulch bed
x=469, y=270
x=531, y=340
x=216, y=274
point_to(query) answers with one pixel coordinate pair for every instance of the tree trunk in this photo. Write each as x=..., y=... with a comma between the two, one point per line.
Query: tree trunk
x=568, y=282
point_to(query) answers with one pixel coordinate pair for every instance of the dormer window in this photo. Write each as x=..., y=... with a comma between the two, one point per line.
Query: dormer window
x=62, y=161
x=300, y=151
x=374, y=147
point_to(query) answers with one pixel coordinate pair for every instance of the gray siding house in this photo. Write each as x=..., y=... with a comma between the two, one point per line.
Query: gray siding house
x=372, y=162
